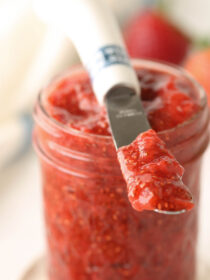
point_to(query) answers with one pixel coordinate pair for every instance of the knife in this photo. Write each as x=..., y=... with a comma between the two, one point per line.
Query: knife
x=100, y=45
x=96, y=35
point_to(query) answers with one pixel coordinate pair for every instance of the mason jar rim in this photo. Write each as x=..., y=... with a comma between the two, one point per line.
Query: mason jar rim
x=144, y=63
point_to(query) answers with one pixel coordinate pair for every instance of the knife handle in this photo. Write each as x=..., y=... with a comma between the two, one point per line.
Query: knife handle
x=96, y=35
x=100, y=45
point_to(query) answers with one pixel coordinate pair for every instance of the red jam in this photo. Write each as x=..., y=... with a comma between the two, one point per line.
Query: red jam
x=153, y=175
x=93, y=233
x=166, y=100
x=167, y=107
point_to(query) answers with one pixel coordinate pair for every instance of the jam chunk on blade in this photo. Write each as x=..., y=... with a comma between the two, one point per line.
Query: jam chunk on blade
x=153, y=175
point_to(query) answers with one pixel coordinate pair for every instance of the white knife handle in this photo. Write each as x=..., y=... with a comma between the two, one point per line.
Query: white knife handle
x=98, y=40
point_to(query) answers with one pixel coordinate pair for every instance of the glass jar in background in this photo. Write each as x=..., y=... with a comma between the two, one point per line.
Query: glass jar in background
x=92, y=231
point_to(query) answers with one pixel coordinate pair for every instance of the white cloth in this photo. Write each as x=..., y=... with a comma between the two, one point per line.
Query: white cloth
x=31, y=54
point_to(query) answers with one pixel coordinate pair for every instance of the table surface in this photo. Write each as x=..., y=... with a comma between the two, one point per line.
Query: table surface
x=21, y=224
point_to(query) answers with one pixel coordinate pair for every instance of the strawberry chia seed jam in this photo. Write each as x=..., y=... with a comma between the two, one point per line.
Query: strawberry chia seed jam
x=93, y=233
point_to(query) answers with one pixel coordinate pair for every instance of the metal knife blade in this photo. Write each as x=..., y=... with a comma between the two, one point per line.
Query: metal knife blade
x=126, y=115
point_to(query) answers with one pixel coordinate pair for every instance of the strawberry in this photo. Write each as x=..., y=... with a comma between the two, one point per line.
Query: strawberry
x=151, y=36
x=198, y=64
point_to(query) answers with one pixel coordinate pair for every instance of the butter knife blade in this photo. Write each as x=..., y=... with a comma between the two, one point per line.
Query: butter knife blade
x=125, y=114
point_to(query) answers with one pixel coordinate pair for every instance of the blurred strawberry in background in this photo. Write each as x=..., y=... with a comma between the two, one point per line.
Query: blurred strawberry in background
x=198, y=64
x=150, y=35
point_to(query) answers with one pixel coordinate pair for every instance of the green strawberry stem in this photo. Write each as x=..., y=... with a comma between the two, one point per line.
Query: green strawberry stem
x=201, y=43
x=162, y=6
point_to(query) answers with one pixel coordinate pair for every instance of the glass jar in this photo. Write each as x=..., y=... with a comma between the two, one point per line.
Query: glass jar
x=92, y=231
